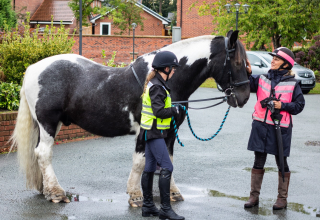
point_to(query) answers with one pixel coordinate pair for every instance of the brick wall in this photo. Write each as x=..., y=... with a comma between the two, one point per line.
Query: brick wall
x=152, y=26
x=71, y=131
x=92, y=45
x=193, y=24
x=8, y=121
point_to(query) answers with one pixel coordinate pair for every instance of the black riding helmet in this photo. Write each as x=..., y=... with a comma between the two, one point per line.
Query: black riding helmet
x=286, y=55
x=164, y=59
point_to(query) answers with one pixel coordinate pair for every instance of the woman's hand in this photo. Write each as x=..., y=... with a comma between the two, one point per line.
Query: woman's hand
x=277, y=104
x=248, y=67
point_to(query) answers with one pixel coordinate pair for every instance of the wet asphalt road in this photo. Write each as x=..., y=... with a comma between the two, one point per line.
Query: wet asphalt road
x=214, y=176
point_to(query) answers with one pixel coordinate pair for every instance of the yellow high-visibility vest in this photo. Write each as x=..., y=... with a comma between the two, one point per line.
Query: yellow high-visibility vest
x=147, y=116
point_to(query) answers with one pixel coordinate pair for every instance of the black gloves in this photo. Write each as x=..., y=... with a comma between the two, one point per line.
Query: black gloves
x=179, y=108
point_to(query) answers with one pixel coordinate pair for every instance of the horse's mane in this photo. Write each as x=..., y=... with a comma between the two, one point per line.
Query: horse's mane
x=240, y=52
x=189, y=41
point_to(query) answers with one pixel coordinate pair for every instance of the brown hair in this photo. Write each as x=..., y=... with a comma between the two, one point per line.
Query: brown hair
x=149, y=77
x=290, y=73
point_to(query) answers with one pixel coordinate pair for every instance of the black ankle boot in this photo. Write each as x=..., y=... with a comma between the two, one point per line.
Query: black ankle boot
x=148, y=207
x=166, y=211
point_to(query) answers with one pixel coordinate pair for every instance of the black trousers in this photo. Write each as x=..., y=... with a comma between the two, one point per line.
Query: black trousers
x=260, y=160
x=156, y=152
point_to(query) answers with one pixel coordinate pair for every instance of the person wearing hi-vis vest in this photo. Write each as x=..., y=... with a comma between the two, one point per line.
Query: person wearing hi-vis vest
x=280, y=90
x=156, y=115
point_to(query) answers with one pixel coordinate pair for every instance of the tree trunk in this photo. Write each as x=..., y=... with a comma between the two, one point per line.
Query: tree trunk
x=262, y=48
x=276, y=36
x=129, y=24
x=154, y=8
x=77, y=26
x=276, y=41
x=160, y=7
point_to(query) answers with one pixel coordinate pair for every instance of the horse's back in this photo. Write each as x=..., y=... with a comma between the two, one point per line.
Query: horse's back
x=73, y=89
x=60, y=73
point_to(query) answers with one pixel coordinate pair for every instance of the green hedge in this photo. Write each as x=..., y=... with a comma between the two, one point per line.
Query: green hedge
x=19, y=49
x=9, y=96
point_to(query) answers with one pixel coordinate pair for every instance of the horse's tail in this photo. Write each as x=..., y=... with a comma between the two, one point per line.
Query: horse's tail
x=25, y=138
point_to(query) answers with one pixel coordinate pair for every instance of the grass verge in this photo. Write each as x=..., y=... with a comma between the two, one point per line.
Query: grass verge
x=210, y=83
x=316, y=90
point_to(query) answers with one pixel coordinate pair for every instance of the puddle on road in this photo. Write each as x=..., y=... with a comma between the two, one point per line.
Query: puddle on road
x=78, y=198
x=267, y=169
x=215, y=193
x=312, y=143
x=265, y=209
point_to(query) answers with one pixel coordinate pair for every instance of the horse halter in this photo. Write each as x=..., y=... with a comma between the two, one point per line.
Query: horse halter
x=227, y=63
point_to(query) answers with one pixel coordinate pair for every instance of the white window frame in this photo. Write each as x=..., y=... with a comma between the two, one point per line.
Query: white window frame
x=101, y=25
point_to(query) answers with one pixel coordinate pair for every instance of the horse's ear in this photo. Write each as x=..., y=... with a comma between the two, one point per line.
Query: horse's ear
x=229, y=33
x=233, y=38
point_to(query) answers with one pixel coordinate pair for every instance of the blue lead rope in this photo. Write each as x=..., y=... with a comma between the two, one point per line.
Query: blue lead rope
x=189, y=123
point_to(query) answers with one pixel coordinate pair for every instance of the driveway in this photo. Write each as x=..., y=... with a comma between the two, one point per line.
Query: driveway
x=213, y=176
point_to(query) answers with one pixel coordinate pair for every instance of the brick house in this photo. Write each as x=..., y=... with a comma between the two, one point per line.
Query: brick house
x=191, y=23
x=42, y=10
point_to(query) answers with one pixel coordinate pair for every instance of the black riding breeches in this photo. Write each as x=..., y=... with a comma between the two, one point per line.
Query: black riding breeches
x=156, y=152
x=260, y=160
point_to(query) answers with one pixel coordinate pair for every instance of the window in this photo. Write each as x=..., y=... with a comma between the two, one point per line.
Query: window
x=267, y=57
x=105, y=28
x=253, y=59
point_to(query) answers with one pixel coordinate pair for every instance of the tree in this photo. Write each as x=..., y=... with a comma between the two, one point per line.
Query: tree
x=280, y=22
x=163, y=7
x=7, y=15
x=87, y=10
x=124, y=14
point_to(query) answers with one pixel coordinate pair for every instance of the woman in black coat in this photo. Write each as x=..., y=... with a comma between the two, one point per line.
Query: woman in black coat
x=156, y=115
x=263, y=140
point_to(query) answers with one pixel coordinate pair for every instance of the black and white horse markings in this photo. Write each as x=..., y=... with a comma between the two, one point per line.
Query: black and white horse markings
x=106, y=101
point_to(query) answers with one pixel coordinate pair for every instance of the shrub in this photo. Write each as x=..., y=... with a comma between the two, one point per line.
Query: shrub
x=17, y=51
x=310, y=56
x=9, y=96
x=111, y=62
x=317, y=74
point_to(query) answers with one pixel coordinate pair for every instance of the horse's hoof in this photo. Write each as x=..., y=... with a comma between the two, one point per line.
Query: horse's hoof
x=55, y=200
x=63, y=199
x=174, y=197
x=137, y=202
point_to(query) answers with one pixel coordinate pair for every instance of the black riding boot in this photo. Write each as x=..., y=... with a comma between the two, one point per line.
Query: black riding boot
x=166, y=211
x=148, y=207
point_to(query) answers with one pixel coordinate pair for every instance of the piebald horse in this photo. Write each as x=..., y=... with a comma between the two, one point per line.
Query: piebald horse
x=106, y=101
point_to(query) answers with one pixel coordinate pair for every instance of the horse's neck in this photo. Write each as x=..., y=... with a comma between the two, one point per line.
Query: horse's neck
x=193, y=55
x=184, y=83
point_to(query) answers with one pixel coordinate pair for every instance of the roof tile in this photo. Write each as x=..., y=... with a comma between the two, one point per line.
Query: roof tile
x=58, y=8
